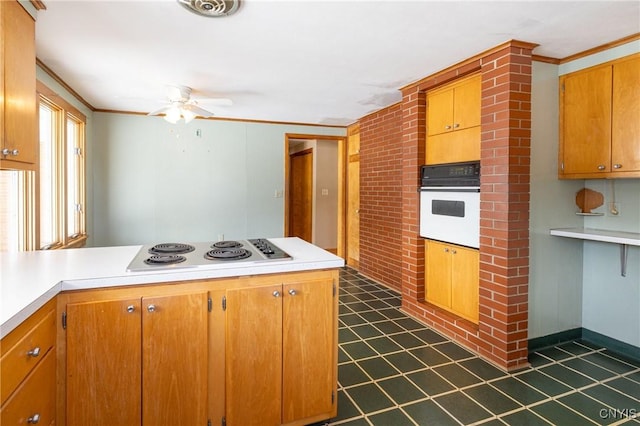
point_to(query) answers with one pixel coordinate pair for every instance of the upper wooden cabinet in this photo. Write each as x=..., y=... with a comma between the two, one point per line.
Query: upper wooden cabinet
x=453, y=122
x=19, y=146
x=599, y=125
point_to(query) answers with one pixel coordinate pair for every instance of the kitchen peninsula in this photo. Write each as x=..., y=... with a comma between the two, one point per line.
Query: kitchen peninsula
x=180, y=345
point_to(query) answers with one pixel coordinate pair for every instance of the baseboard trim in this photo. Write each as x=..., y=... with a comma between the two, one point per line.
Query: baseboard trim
x=607, y=342
x=554, y=339
x=614, y=345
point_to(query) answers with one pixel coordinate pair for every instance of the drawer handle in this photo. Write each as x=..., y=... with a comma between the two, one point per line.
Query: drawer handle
x=34, y=352
x=34, y=419
x=617, y=166
x=601, y=167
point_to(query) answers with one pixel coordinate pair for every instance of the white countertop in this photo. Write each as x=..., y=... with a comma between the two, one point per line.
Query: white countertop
x=617, y=237
x=30, y=279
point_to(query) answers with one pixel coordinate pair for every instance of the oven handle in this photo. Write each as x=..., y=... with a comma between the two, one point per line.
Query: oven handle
x=449, y=189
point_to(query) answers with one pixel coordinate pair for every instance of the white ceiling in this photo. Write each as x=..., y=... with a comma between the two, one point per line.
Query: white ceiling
x=322, y=62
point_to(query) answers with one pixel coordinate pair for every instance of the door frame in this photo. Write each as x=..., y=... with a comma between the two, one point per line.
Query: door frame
x=342, y=167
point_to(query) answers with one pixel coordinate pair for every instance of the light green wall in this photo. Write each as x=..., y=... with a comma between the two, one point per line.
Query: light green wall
x=155, y=181
x=575, y=283
x=555, y=280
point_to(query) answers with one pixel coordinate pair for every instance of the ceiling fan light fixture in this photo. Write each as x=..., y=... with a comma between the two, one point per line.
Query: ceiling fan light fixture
x=173, y=114
x=211, y=8
x=188, y=115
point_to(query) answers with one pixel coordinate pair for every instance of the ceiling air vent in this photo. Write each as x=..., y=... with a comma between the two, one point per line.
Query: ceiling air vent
x=211, y=8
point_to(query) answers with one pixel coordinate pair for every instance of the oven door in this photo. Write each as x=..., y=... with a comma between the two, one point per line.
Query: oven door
x=451, y=214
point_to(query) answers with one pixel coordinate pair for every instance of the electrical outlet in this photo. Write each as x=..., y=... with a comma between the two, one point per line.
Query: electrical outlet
x=325, y=191
x=277, y=193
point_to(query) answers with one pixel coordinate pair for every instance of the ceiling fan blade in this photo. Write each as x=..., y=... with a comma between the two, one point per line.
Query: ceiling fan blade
x=160, y=111
x=201, y=112
x=216, y=101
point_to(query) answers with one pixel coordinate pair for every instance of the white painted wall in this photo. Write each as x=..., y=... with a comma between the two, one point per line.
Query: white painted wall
x=154, y=181
x=575, y=283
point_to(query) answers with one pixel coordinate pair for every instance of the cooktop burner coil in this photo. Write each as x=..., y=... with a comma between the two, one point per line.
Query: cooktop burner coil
x=227, y=254
x=226, y=244
x=164, y=259
x=171, y=248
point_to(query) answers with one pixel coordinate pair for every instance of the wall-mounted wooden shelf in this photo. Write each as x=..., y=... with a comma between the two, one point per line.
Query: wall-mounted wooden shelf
x=625, y=239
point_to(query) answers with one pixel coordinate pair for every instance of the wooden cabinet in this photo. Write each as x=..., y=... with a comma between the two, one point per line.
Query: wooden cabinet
x=451, y=278
x=136, y=357
x=281, y=350
x=19, y=146
x=353, y=196
x=599, y=126
x=28, y=370
x=453, y=122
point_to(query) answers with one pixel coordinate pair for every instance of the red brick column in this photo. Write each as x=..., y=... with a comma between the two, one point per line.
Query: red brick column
x=501, y=335
x=504, y=210
x=413, y=156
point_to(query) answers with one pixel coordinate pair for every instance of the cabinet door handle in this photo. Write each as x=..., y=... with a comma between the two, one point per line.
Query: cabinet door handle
x=131, y=308
x=34, y=352
x=34, y=419
x=447, y=127
x=151, y=308
x=453, y=251
x=617, y=166
x=446, y=250
x=276, y=293
x=6, y=151
x=293, y=292
x=601, y=167
x=455, y=126
x=15, y=152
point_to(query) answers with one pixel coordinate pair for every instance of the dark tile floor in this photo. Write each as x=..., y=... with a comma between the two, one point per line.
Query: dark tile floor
x=394, y=371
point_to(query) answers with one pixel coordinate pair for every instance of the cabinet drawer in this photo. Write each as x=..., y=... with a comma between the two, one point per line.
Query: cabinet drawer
x=36, y=396
x=18, y=360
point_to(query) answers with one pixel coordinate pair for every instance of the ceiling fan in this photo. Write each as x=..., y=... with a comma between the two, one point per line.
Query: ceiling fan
x=180, y=105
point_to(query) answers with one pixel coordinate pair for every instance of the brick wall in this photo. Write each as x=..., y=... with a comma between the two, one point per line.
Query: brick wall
x=391, y=151
x=380, y=198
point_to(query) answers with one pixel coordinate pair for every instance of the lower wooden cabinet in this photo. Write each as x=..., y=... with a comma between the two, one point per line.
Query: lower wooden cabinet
x=135, y=359
x=281, y=351
x=451, y=278
x=256, y=350
x=28, y=370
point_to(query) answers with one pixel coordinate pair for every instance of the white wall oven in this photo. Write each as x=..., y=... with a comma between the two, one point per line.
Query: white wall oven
x=450, y=203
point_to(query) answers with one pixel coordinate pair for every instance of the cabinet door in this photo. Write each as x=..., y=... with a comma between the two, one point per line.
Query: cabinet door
x=103, y=363
x=586, y=121
x=466, y=104
x=439, y=112
x=625, y=142
x=438, y=274
x=174, y=360
x=18, y=29
x=464, y=282
x=308, y=349
x=254, y=356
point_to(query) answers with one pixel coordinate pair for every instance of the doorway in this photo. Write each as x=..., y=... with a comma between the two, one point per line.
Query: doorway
x=314, y=190
x=301, y=195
